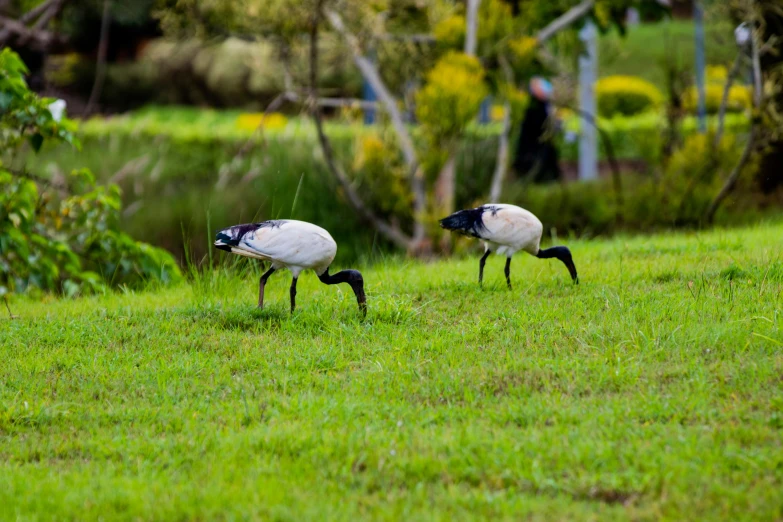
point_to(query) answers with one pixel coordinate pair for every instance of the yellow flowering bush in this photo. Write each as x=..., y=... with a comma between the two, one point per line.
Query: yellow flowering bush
x=518, y=100
x=626, y=95
x=740, y=98
x=252, y=121
x=452, y=95
x=450, y=32
x=381, y=175
x=523, y=52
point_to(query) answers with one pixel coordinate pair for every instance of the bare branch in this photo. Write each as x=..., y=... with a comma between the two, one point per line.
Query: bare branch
x=501, y=164
x=471, y=29
x=564, y=21
x=731, y=181
x=333, y=102
x=47, y=17
x=37, y=179
x=606, y=142
x=8, y=307
x=725, y=99
x=392, y=233
x=370, y=73
x=757, y=83
x=39, y=40
x=37, y=11
x=100, y=69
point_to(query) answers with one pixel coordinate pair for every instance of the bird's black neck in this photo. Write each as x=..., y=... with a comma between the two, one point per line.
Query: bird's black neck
x=563, y=254
x=353, y=278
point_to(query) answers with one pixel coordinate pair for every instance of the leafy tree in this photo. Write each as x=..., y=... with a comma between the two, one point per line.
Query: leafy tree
x=64, y=237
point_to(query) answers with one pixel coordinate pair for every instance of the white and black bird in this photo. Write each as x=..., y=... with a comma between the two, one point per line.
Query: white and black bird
x=291, y=244
x=506, y=229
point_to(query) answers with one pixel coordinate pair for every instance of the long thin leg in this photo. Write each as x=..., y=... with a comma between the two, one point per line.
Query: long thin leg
x=261, y=285
x=508, y=272
x=481, y=265
x=293, y=294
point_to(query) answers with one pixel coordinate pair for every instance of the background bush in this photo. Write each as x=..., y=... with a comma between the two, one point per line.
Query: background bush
x=626, y=96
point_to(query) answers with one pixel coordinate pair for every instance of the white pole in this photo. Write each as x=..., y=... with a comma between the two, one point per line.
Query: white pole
x=588, y=72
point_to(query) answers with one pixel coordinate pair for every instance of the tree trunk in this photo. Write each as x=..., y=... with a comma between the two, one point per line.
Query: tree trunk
x=770, y=175
x=471, y=29
x=445, y=187
x=100, y=68
x=501, y=166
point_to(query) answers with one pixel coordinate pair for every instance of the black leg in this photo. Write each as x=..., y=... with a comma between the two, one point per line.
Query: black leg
x=508, y=272
x=261, y=285
x=481, y=265
x=293, y=294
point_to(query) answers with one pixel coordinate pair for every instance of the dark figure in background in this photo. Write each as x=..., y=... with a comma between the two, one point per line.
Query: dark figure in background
x=537, y=158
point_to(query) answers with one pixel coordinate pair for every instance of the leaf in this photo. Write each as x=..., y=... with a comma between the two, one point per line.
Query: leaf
x=36, y=140
x=5, y=101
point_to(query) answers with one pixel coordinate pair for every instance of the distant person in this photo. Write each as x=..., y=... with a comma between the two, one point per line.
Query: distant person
x=537, y=158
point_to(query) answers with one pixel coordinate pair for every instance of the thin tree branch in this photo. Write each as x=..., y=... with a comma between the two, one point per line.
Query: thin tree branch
x=392, y=233
x=39, y=40
x=8, y=307
x=100, y=69
x=471, y=27
x=725, y=99
x=47, y=17
x=501, y=164
x=37, y=11
x=42, y=39
x=37, y=179
x=564, y=20
x=757, y=83
x=370, y=73
x=606, y=142
x=731, y=181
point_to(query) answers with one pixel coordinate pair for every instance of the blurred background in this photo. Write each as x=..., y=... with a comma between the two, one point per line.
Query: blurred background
x=598, y=116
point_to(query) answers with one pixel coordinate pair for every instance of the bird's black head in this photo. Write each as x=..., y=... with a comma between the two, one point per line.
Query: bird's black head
x=563, y=254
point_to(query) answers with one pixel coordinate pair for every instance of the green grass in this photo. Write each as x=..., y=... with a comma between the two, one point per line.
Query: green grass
x=646, y=49
x=650, y=391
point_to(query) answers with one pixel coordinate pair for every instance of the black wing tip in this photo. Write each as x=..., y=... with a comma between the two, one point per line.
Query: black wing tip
x=467, y=221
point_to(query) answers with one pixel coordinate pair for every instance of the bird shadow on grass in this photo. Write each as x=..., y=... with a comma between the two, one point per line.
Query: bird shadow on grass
x=236, y=317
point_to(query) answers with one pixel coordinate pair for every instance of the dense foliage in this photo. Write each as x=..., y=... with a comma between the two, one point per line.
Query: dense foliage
x=66, y=236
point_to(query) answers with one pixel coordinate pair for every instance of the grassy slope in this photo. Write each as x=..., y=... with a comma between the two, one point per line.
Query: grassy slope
x=633, y=395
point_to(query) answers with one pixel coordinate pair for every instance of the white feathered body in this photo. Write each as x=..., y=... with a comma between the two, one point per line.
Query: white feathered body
x=504, y=229
x=286, y=243
x=509, y=229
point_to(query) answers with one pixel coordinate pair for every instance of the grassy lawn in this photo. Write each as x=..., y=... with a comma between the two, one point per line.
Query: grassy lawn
x=650, y=391
x=646, y=49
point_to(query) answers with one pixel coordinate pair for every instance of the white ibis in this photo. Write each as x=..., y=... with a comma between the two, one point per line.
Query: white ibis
x=290, y=244
x=506, y=229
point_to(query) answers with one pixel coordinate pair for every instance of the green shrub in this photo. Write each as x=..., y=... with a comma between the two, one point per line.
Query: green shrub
x=66, y=240
x=626, y=95
x=739, y=100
